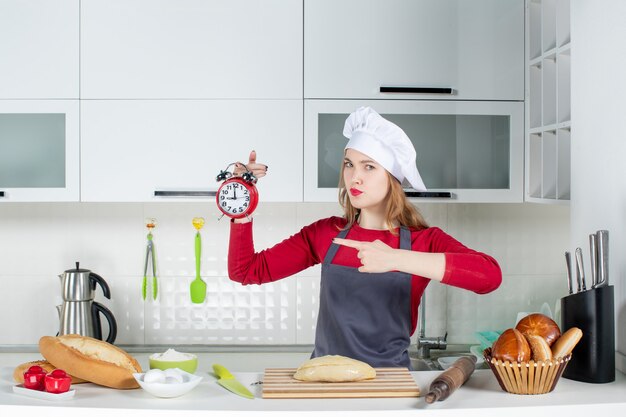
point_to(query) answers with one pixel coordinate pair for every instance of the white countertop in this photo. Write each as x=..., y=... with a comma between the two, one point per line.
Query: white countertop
x=480, y=396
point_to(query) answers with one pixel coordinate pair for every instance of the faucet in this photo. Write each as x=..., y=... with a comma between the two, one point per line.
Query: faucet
x=425, y=344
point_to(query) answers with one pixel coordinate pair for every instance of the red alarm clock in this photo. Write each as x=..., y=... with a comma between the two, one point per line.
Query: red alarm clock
x=237, y=197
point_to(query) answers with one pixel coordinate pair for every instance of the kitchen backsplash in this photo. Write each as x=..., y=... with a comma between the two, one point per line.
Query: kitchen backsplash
x=40, y=241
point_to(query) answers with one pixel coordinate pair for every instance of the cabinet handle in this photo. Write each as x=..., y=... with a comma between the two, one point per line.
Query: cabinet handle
x=1, y=193
x=428, y=194
x=160, y=193
x=417, y=90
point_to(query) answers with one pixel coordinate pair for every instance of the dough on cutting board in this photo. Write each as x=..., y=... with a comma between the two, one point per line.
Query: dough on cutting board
x=334, y=368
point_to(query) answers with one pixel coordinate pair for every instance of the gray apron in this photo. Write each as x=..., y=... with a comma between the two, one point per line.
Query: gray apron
x=364, y=316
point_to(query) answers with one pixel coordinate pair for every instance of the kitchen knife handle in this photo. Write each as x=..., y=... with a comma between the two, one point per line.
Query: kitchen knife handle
x=602, y=237
x=580, y=270
x=568, y=265
x=221, y=372
x=593, y=258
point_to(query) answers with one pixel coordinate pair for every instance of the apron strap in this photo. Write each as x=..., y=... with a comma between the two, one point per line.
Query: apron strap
x=405, y=238
x=330, y=254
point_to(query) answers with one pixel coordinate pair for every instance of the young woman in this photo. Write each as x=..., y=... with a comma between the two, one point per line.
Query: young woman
x=376, y=260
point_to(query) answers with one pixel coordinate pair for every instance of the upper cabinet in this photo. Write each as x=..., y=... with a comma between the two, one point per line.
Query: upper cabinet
x=39, y=49
x=468, y=151
x=548, y=104
x=166, y=49
x=39, y=150
x=424, y=49
x=157, y=150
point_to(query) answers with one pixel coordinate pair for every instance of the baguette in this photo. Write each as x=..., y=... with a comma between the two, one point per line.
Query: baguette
x=566, y=343
x=18, y=373
x=91, y=359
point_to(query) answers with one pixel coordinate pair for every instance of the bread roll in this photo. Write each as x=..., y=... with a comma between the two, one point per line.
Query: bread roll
x=566, y=343
x=18, y=373
x=539, y=347
x=511, y=346
x=541, y=325
x=334, y=368
x=91, y=359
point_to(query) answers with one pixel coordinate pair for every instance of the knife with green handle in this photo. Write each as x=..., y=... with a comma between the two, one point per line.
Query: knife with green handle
x=228, y=381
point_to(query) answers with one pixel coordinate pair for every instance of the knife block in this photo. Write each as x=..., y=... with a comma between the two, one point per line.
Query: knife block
x=593, y=312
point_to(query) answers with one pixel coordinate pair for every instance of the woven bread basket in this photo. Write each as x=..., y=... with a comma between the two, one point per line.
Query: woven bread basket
x=529, y=378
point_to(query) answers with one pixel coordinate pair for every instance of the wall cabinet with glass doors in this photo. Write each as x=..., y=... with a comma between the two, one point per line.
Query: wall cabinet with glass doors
x=39, y=150
x=471, y=150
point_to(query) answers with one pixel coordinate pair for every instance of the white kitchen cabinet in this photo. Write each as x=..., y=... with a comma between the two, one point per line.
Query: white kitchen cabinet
x=352, y=48
x=472, y=150
x=171, y=49
x=39, y=150
x=131, y=149
x=39, y=49
x=548, y=103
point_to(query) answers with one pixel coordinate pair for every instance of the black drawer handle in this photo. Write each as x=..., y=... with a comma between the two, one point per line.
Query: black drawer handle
x=428, y=194
x=417, y=90
x=160, y=193
x=1, y=193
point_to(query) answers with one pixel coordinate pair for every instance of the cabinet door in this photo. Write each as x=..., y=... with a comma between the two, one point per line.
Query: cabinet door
x=473, y=150
x=132, y=148
x=39, y=49
x=39, y=150
x=191, y=49
x=355, y=47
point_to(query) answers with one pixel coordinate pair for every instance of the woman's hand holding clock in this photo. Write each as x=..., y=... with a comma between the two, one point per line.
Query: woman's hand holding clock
x=227, y=196
x=258, y=170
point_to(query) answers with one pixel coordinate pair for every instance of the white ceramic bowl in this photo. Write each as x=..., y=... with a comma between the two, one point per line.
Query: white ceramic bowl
x=163, y=390
x=446, y=361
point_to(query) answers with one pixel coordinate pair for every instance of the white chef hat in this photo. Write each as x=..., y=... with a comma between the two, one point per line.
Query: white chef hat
x=369, y=133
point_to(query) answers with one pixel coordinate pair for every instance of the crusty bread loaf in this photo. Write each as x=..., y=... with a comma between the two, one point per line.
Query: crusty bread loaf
x=334, y=368
x=91, y=359
x=539, y=347
x=18, y=373
x=541, y=325
x=566, y=343
x=511, y=346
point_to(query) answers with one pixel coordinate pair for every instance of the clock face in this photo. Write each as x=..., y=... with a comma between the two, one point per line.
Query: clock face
x=236, y=199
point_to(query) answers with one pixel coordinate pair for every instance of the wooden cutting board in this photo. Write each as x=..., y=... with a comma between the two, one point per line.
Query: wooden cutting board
x=389, y=382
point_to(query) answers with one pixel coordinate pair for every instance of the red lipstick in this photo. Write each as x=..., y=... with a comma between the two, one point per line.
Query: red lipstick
x=355, y=192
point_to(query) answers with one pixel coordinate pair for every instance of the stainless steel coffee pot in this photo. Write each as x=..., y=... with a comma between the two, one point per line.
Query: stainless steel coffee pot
x=79, y=313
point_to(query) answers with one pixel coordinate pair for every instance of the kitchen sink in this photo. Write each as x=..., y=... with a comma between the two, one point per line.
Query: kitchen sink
x=431, y=363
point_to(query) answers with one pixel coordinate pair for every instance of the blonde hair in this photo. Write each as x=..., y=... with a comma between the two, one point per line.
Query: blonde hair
x=398, y=211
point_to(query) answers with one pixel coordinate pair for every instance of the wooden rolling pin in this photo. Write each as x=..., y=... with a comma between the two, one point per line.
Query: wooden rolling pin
x=451, y=379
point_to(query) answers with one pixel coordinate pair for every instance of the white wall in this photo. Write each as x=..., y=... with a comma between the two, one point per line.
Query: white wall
x=38, y=241
x=598, y=138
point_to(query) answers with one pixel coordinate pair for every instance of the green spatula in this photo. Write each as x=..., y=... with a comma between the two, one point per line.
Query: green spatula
x=198, y=287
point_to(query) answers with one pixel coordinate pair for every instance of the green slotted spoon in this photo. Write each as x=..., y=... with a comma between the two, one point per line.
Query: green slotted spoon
x=198, y=286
